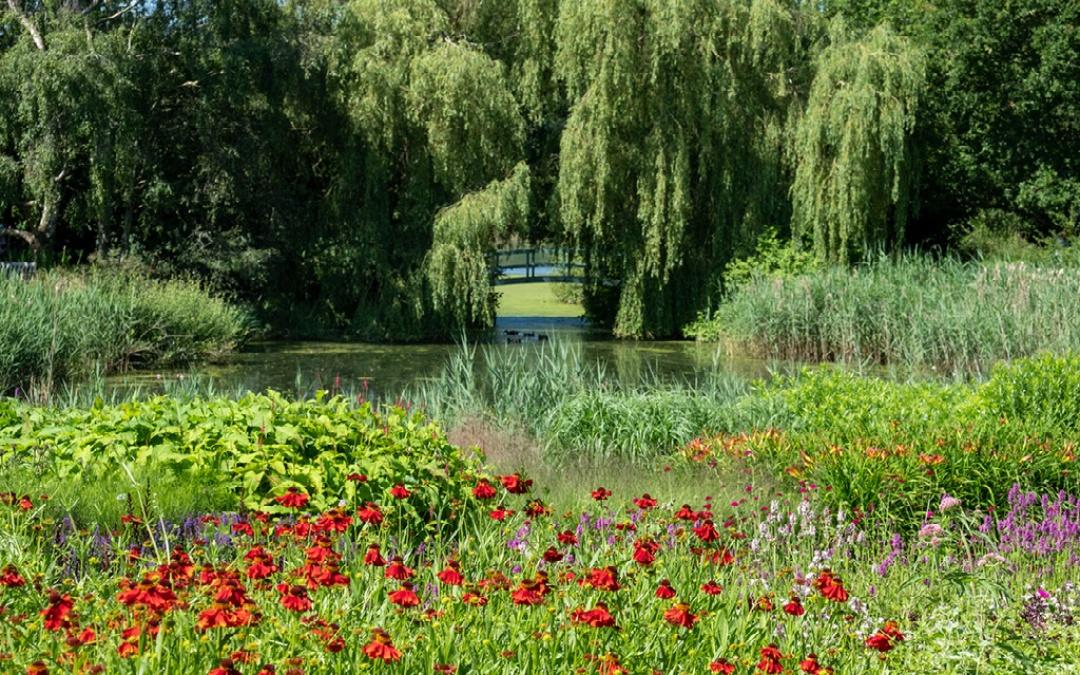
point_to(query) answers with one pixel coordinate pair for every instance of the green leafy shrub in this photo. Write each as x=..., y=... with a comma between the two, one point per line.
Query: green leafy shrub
x=872, y=443
x=257, y=446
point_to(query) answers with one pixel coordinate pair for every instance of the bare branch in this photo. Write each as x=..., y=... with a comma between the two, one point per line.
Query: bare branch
x=28, y=24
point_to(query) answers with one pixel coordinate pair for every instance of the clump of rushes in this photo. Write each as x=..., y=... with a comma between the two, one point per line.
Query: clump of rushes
x=61, y=326
x=752, y=579
x=911, y=311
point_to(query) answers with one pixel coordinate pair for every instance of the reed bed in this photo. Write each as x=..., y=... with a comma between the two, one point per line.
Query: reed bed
x=62, y=326
x=915, y=311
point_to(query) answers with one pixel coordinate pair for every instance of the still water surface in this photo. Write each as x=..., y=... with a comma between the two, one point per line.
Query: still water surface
x=388, y=370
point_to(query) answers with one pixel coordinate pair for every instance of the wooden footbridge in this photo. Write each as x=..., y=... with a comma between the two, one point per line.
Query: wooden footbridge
x=535, y=265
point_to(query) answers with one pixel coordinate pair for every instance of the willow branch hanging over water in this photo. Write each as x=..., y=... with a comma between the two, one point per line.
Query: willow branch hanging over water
x=853, y=185
x=671, y=152
x=457, y=266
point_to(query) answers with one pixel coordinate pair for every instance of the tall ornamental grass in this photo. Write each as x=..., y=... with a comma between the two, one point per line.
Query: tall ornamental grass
x=916, y=311
x=577, y=409
x=62, y=326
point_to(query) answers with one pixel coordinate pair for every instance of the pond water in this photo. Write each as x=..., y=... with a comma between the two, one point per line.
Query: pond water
x=388, y=370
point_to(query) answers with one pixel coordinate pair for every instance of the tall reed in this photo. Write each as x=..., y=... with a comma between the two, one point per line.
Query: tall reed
x=913, y=310
x=61, y=326
x=578, y=410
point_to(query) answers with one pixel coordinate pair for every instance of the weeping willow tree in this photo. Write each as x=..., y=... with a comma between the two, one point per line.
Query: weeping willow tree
x=673, y=153
x=458, y=267
x=438, y=162
x=853, y=189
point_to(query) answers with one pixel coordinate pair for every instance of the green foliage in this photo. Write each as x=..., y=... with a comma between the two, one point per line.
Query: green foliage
x=670, y=151
x=458, y=268
x=243, y=141
x=913, y=311
x=900, y=446
x=1038, y=393
x=855, y=157
x=255, y=447
x=61, y=326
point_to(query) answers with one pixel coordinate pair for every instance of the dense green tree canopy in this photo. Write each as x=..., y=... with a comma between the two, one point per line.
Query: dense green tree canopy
x=347, y=165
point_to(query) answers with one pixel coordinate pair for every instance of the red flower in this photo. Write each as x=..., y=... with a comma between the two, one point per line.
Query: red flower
x=721, y=557
x=405, y=596
x=500, y=513
x=356, y=478
x=794, y=606
x=381, y=647
x=370, y=514
x=260, y=563
x=830, y=586
x=224, y=668
x=664, y=591
x=609, y=665
x=603, y=578
x=373, y=556
x=886, y=638
x=451, y=575
x=764, y=604
x=243, y=527
x=483, y=490
x=645, y=502
x=149, y=593
x=597, y=617
x=399, y=491
x=812, y=666
x=334, y=520
x=56, y=614
x=600, y=494
x=706, y=531
x=685, y=513
x=645, y=551
x=712, y=588
x=552, y=555
x=722, y=666
x=567, y=538
x=474, y=599
x=537, y=509
x=516, y=484
x=293, y=498
x=25, y=504
x=680, y=615
x=10, y=577
x=529, y=592
x=294, y=598
x=770, y=660
x=398, y=570
x=37, y=668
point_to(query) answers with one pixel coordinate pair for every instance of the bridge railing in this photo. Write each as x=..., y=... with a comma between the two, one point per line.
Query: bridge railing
x=22, y=270
x=532, y=265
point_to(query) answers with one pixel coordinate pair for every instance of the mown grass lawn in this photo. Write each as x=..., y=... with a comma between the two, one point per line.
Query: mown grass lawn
x=534, y=300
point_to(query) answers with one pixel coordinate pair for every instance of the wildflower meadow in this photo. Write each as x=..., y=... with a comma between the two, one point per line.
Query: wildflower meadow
x=426, y=558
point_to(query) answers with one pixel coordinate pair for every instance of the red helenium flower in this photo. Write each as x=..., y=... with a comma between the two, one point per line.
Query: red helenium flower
x=293, y=498
x=516, y=484
x=483, y=490
x=597, y=617
x=405, y=596
x=680, y=615
x=664, y=591
x=381, y=647
x=771, y=660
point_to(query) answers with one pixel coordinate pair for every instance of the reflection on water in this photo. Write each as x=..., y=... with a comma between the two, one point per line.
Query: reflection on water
x=387, y=370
